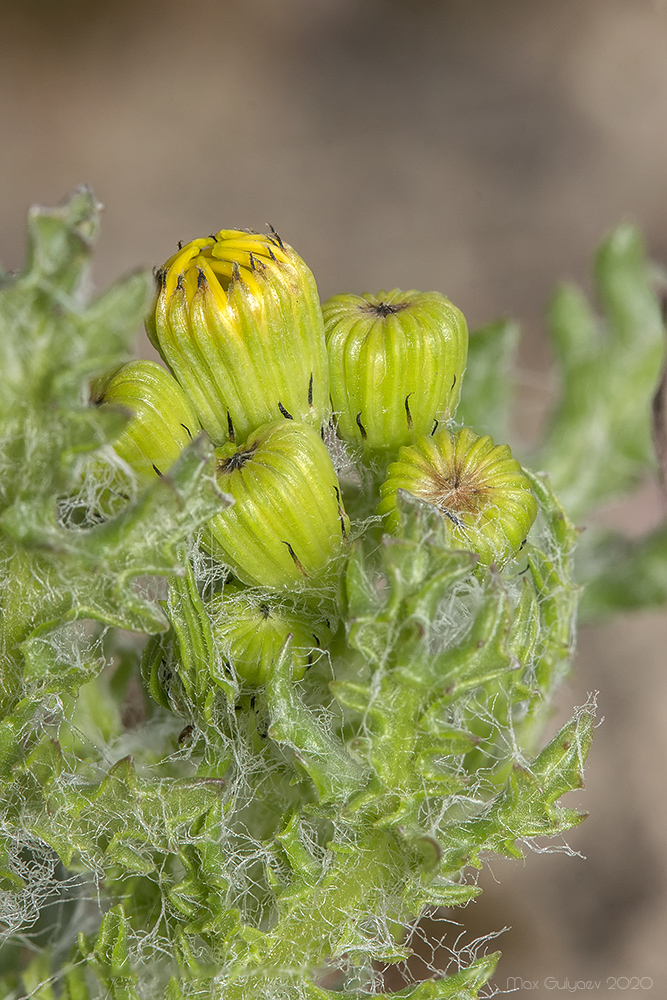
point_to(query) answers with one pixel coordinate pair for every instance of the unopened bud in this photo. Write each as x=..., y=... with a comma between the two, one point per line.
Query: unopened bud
x=484, y=496
x=239, y=323
x=163, y=421
x=254, y=631
x=396, y=360
x=287, y=522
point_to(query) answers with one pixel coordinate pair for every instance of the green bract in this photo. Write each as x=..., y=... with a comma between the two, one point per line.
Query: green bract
x=238, y=321
x=163, y=421
x=396, y=360
x=254, y=630
x=481, y=491
x=287, y=521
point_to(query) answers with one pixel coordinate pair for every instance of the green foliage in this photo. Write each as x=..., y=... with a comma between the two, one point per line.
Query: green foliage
x=51, y=343
x=599, y=441
x=488, y=380
x=624, y=574
x=56, y=566
x=237, y=840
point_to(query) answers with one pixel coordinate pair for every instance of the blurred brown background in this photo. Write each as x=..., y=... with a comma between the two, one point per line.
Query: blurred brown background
x=479, y=147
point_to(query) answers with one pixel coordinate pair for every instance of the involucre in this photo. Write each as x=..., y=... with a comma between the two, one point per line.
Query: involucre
x=287, y=521
x=396, y=360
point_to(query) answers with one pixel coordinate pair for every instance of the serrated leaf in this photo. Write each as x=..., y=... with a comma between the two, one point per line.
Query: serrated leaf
x=526, y=805
x=51, y=341
x=61, y=568
x=60, y=240
x=482, y=656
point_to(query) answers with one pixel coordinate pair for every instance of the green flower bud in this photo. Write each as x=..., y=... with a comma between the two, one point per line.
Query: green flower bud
x=163, y=421
x=288, y=520
x=254, y=631
x=484, y=496
x=396, y=360
x=239, y=323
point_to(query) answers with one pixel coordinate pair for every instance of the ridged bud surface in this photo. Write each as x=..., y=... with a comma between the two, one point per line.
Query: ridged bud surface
x=254, y=632
x=396, y=360
x=482, y=492
x=288, y=520
x=239, y=323
x=163, y=420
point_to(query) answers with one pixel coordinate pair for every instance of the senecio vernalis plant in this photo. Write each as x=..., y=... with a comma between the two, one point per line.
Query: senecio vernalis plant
x=366, y=606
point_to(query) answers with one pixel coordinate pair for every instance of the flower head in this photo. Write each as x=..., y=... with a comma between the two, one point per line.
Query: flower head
x=255, y=630
x=481, y=491
x=163, y=421
x=396, y=360
x=287, y=521
x=238, y=321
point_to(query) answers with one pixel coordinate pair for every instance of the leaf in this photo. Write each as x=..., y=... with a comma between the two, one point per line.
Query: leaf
x=334, y=773
x=526, y=805
x=487, y=385
x=123, y=821
x=598, y=444
x=51, y=341
x=201, y=656
x=623, y=574
x=463, y=985
x=481, y=657
x=69, y=575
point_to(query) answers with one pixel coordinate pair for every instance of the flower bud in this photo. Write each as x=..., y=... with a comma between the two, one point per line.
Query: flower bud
x=396, y=360
x=163, y=421
x=485, y=498
x=287, y=521
x=239, y=323
x=254, y=631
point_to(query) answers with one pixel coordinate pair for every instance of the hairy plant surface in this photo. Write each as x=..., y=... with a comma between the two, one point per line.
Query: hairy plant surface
x=333, y=717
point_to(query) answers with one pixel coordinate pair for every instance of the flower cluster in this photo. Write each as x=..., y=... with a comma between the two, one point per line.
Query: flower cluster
x=257, y=364
x=348, y=679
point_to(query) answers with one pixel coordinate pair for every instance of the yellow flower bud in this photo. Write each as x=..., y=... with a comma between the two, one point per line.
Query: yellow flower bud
x=163, y=421
x=239, y=323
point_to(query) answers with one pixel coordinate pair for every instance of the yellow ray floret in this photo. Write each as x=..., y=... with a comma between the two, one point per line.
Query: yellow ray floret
x=229, y=254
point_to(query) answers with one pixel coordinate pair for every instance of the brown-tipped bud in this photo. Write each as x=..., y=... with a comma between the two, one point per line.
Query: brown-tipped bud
x=484, y=497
